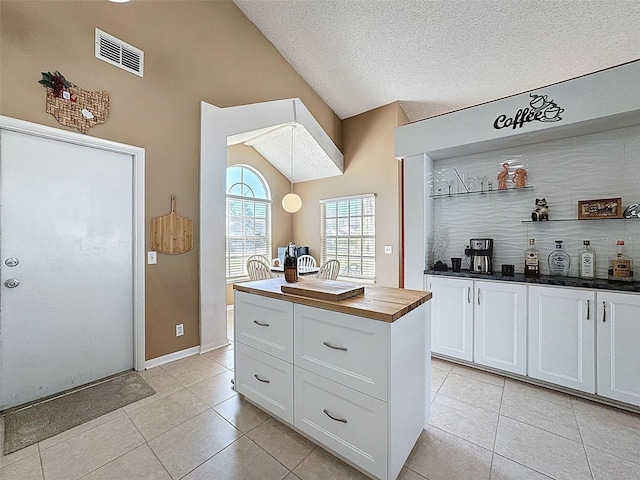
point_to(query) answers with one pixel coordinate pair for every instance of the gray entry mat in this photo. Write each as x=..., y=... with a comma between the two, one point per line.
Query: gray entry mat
x=37, y=422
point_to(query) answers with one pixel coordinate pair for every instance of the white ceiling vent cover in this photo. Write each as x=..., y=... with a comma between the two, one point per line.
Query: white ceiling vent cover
x=118, y=53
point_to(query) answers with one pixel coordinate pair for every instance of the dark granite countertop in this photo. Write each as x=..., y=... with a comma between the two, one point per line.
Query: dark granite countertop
x=598, y=283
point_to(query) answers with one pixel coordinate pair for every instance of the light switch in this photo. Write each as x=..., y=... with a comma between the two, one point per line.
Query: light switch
x=152, y=258
x=388, y=249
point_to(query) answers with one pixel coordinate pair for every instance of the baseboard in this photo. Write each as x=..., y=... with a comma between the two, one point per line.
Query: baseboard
x=213, y=346
x=171, y=357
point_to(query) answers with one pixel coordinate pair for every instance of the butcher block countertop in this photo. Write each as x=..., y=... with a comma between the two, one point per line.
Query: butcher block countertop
x=386, y=304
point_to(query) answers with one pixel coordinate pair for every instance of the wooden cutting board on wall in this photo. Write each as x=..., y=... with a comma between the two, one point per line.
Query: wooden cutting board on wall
x=171, y=234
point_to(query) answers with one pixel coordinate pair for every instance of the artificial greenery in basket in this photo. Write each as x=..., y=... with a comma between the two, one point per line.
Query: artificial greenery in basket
x=56, y=82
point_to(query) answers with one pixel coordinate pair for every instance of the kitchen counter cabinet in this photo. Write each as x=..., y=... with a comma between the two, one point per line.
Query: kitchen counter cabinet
x=562, y=330
x=500, y=326
x=618, y=327
x=352, y=375
x=480, y=322
x=452, y=317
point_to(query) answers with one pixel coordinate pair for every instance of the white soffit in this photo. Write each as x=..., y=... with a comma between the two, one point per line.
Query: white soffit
x=312, y=158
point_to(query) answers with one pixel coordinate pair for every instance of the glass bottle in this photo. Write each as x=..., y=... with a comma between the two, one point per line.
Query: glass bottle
x=531, y=260
x=620, y=266
x=559, y=261
x=587, y=261
x=290, y=264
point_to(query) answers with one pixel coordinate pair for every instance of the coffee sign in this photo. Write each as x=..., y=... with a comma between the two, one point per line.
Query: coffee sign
x=540, y=109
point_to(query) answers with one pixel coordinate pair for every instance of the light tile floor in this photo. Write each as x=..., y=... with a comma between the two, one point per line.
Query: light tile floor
x=483, y=427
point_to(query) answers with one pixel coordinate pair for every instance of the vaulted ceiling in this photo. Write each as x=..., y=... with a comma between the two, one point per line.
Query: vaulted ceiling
x=435, y=56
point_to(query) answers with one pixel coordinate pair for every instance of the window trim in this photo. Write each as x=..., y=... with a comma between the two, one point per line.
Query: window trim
x=323, y=225
x=267, y=202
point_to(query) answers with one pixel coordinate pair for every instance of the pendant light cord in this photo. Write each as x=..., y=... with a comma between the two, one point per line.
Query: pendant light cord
x=292, y=129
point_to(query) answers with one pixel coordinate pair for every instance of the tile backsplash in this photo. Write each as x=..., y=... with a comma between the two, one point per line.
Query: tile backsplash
x=596, y=166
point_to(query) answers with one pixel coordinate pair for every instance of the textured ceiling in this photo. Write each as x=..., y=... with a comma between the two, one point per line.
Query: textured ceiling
x=439, y=56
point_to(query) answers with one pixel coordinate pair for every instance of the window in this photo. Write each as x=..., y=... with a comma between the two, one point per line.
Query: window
x=348, y=234
x=248, y=219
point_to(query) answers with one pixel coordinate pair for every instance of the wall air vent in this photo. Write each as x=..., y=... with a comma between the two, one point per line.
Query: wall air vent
x=118, y=53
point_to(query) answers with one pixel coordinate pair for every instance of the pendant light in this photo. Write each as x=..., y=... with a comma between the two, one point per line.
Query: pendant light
x=292, y=202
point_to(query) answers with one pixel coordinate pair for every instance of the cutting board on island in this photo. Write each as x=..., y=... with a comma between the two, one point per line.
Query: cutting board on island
x=171, y=234
x=324, y=289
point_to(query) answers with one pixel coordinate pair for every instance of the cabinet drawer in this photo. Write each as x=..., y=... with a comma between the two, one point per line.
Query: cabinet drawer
x=358, y=431
x=351, y=350
x=264, y=323
x=265, y=380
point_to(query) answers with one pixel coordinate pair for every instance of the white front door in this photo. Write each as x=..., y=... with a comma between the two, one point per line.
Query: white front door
x=67, y=237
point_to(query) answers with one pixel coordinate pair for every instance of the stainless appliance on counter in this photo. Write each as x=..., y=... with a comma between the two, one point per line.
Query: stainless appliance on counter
x=480, y=252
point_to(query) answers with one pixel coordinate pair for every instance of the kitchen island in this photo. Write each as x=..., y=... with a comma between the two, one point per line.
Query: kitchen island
x=353, y=375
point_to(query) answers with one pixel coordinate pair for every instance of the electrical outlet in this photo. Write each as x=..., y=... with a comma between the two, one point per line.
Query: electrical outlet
x=152, y=258
x=388, y=249
x=179, y=330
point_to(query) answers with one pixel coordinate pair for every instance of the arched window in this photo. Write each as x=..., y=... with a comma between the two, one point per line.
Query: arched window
x=248, y=218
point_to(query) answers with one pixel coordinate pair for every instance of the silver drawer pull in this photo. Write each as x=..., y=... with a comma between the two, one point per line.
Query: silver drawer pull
x=260, y=379
x=260, y=323
x=334, y=418
x=326, y=344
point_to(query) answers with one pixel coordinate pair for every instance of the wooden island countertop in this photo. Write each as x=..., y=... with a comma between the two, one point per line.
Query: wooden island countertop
x=386, y=304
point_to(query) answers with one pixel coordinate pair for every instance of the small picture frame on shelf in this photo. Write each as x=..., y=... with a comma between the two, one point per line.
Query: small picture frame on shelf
x=597, y=209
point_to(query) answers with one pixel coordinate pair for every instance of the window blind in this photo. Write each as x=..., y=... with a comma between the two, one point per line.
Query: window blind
x=347, y=234
x=248, y=223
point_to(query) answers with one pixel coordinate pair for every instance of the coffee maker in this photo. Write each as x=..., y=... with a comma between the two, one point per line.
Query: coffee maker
x=480, y=252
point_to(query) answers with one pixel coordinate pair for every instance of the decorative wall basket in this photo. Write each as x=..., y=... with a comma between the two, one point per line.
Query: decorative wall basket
x=78, y=108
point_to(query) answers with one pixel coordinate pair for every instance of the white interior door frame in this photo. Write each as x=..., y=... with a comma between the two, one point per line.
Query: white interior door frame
x=216, y=124
x=138, y=158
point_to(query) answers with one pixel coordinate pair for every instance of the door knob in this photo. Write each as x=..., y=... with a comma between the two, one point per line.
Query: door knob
x=12, y=283
x=11, y=262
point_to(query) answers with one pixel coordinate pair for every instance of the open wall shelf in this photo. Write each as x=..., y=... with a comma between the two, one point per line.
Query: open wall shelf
x=446, y=195
x=581, y=220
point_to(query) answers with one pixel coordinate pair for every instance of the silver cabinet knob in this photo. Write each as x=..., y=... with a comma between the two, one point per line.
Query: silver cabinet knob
x=12, y=283
x=11, y=262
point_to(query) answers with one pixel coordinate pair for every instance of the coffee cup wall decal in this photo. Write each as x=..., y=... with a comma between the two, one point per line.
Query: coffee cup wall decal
x=538, y=102
x=540, y=109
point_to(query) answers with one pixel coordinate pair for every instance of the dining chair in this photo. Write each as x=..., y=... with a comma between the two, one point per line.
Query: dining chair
x=329, y=270
x=262, y=258
x=259, y=270
x=306, y=261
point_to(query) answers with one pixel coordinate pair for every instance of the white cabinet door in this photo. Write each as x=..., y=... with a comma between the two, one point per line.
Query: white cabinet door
x=618, y=354
x=562, y=337
x=500, y=328
x=452, y=317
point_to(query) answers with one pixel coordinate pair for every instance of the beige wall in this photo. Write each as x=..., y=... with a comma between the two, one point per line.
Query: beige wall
x=281, y=223
x=194, y=51
x=370, y=167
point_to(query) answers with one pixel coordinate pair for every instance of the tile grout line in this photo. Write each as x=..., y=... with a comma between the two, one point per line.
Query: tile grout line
x=261, y=448
x=146, y=442
x=461, y=438
x=40, y=458
x=468, y=403
x=495, y=439
x=542, y=429
x=584, y=447
x=212, y=456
